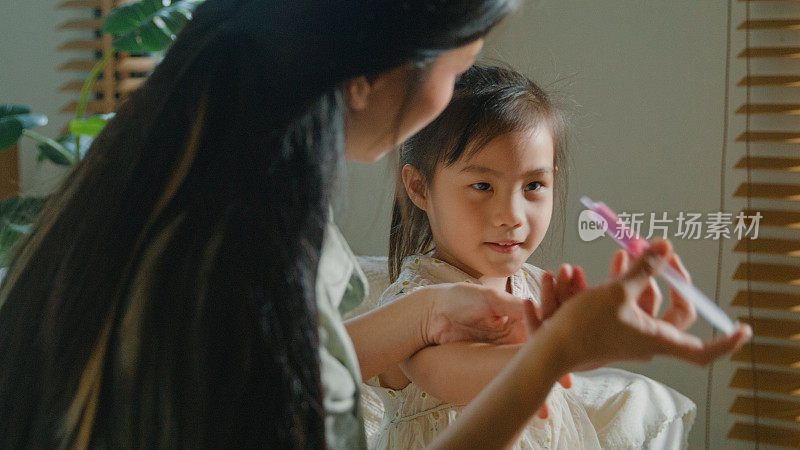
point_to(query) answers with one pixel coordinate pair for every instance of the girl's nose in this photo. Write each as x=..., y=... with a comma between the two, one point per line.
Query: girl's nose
x=508, y=211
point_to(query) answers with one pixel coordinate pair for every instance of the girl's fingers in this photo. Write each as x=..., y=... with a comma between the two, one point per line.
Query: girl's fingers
x=532, y=321
x=564, y=282
x=549, y=300
x=566, y=381
x=543, y=411
x=578, y=280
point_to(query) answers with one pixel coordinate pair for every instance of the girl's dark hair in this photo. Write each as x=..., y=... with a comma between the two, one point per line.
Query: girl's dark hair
x=488, y=102
x=166, y=297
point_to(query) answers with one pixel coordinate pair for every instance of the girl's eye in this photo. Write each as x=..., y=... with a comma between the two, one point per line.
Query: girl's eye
x=481, y=186
x=534, y=186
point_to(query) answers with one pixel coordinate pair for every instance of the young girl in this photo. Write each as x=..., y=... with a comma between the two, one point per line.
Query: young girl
x=477, y=191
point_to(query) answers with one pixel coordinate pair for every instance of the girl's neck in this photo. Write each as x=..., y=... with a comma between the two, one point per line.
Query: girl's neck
x=502, y=284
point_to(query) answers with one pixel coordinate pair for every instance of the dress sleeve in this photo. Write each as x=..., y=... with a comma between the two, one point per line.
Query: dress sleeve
x=533, y=280
x=406, y=283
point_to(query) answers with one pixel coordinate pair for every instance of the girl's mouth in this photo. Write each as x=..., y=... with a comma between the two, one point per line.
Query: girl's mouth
x=503, y=247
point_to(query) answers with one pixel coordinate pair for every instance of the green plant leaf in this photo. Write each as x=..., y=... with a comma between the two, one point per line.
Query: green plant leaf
x=31, y=120
x=91, y=126
x=16, y=218
x=11, y=127
x=22, y=210
x=148, y=25
x=69, y=142
x=10, y=131
x=10, y=110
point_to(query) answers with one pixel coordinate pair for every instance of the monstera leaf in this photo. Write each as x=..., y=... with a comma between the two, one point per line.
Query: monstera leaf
x=69, y=155
x=148, y=25
x=14, y=119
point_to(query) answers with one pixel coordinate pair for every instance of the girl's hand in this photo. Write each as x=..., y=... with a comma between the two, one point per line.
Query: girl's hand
x=681, y=313
x=571, y=280
x=469, y=312
x=607, y=323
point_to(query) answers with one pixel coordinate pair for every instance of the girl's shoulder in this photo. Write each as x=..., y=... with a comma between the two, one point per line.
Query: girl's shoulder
x=412, y=277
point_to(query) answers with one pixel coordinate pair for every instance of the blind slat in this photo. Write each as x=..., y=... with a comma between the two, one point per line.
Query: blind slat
x=767, y=246
x=769, y=163
x=774, y=328
x=768, y=300
x=785, y=356
x=770, y=24
x=786, y=109
x=768, y=273
x=787, y=410
x=770, y=52
x=786, y=383
x=790, y=192
x=784, y=137
x=766, y=435
x=770, y=80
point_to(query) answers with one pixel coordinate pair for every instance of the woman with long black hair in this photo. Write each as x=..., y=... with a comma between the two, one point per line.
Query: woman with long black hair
x=184, y=287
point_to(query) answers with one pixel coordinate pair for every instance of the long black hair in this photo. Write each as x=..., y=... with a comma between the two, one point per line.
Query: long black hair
x=166, y=297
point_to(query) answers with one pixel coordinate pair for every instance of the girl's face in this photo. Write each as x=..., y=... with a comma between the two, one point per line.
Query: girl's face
x=489, y=212
x=371, y=125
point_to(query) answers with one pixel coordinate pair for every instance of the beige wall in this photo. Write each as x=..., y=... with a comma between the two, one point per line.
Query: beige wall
x=29, y=59
x=644, y=83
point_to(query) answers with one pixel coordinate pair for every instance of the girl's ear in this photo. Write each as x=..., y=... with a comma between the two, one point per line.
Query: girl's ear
x=415, y=186
x=356, y=93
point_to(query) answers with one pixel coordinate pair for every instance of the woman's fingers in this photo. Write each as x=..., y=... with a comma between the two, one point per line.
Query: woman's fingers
x=619, y=264
x=677, y=264
x=690, y=348
x=504, y=304
x=651, y=298
x=681, y=313
x=637, y=278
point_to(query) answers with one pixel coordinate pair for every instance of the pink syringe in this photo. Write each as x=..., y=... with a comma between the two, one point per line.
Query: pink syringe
x=635, y=245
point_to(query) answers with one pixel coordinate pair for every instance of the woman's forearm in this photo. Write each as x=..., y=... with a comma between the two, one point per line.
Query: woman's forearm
x=499, y=413
x=388, y=335
x=473, y=365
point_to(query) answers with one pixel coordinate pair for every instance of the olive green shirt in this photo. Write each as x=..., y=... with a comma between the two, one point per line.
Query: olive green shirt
x=341, y=286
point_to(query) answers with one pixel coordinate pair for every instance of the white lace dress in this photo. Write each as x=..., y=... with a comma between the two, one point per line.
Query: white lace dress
x=605, y=408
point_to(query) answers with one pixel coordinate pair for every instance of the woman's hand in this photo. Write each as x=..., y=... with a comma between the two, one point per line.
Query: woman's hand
x=469, y=312
x=571, y=280
x=681, y=313
x=608, y=323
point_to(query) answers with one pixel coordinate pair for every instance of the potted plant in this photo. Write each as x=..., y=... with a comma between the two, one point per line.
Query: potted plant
x=145, y=26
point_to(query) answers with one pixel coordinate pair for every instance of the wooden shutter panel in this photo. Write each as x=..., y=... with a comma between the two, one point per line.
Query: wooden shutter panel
x=121, y=76
x=766, y=407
